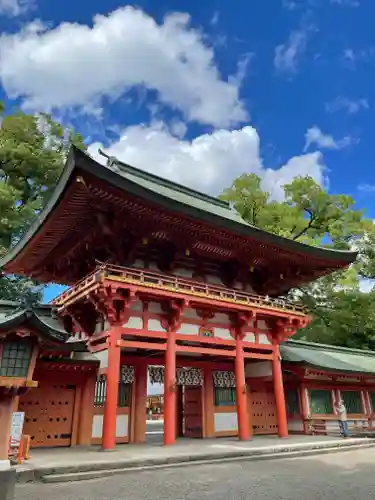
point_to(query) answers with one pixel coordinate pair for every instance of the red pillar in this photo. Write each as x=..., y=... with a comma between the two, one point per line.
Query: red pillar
x=279, y=393
x=170, y=390
x=140, y=401
x=110, y=405
x=241, y=396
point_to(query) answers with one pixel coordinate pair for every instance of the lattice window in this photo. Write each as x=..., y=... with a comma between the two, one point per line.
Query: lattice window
x=124, y=393
x=321, y=402
x=352, y=401
x=292, y=401
x=100, y=388
x=225, y=396
x=15, y=360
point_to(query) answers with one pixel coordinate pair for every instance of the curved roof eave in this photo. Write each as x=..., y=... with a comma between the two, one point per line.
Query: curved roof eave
x=22, y=317
x=39, y=221
x=84, y=162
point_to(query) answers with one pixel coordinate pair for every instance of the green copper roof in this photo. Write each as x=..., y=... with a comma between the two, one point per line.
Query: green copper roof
x=328, y=357
x=41, y=318
x=173, y=197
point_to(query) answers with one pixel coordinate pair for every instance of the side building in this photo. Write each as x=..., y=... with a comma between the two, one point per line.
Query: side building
x=168, y=282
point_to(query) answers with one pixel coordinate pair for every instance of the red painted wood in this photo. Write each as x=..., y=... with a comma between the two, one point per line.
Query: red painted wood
x=192, y=412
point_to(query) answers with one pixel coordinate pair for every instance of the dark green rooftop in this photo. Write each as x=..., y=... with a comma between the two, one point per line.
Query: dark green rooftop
x=42, y=318
x=327, y=357
x=164, y=193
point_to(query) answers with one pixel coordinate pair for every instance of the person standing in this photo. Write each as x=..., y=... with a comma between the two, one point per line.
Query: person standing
x=343, y=418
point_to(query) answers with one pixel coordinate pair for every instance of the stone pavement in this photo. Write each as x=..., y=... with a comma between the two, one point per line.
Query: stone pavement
x=339, y=476
x=70, y=464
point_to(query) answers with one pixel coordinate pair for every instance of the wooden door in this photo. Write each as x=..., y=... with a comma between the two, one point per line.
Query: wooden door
x=263, y=412
x=193, y=415
x=49, y=414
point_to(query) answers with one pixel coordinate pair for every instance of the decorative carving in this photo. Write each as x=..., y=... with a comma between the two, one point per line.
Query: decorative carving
x=224, y=379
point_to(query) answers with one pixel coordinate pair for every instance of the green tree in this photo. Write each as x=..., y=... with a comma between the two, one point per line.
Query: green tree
x=343, y=315
x=33, y=149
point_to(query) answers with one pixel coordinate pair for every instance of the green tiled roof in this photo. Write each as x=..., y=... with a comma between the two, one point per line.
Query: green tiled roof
x=41, y=318
x=328, y=357
x=173, y=197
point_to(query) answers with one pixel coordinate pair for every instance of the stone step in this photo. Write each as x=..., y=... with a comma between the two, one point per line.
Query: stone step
x=191, y=461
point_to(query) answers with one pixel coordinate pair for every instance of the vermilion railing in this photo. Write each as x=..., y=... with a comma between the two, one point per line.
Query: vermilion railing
x=177, y=284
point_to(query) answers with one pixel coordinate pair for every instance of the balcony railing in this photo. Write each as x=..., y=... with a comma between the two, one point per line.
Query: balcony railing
x=175, y=284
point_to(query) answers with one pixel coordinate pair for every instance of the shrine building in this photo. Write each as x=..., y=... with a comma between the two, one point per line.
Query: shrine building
x=167, y=283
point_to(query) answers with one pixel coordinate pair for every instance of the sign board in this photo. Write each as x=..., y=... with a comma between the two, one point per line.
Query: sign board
x=18, y=419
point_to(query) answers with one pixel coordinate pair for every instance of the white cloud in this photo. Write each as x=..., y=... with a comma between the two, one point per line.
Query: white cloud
x=366, y=284
x=325, y=141
x=352, y=106
x=14, y=8
x=346, y=3
x=287, y=55
x=77, y=64
x=209, y=162
x=367, y=188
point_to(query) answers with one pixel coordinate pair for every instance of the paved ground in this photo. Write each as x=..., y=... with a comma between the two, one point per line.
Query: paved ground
x=154, y=431
x=60, y=457
x=341, y=476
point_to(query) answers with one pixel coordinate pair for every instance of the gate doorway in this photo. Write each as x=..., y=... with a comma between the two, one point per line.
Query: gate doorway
x=49, y=414
x=263, y=411
x=191, y=411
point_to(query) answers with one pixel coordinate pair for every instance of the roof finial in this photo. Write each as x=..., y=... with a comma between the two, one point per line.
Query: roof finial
x=111, y=160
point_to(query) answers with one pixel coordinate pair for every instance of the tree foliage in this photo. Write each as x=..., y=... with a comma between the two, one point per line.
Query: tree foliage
x=343, y=315
x=33, y=149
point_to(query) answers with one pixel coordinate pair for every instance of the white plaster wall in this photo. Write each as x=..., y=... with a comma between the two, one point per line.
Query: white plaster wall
x=188, y=329
x=134, y=322
x=153, y=267
x=139, y=263
x=263, y=339
x=221, y=318
x=184, y=273
x=213, y=280
x=261, y=369
x=249, y=337
x=122, y=426
x=97, y=426
x=190, y=313
x=154, y=307
x=262, y=325
x=225, y=422
x=295, y=425
x=136, y=306
x=223, y=333
x=102, y=356
x=155, y=325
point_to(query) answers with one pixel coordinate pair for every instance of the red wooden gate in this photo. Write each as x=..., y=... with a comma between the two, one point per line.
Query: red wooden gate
x=193, y=415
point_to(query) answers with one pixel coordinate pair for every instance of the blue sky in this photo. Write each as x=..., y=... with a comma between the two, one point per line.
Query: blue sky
x=201, y=92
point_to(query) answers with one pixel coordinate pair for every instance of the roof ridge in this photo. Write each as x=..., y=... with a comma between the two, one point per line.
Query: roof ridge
x=167, y=183
x=316, y=346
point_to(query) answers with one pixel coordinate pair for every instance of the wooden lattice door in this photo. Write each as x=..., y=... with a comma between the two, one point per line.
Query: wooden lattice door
x=49, y=414
x=192, y=411
x=263, y=412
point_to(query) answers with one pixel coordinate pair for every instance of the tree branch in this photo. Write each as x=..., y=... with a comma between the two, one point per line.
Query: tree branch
x=309, y=225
